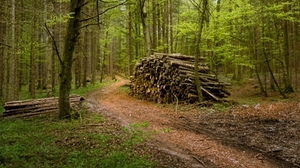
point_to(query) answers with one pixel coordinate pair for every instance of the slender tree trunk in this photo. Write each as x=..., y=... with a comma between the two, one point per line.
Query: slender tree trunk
x=159, y=26
x=129, y=41
x=71, y=36
x=13, y=84
x=93, y=58
x=198, y=43
x=77, y=68
x=32, y=81
x=146, y=30
x=286, y=53
x=3, y=47
x=268, y=64
x=84, y=59
x=154, y=25
x=166, y=26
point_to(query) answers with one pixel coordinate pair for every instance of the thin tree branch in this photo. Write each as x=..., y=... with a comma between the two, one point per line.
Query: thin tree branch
x=87, y=25
x=54, y=43
x=112, y=7
x=5, y=45
x=80, y=6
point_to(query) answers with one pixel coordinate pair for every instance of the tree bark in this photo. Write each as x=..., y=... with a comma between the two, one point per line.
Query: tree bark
x=2, y=47
x=198, y=43
x=12, y=83
x=129, y=41
x=71, y=37
x=286, y=53
x=32, y=81
x=146, y=30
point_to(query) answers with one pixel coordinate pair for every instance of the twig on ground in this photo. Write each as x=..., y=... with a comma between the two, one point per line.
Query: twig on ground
x=200, y=161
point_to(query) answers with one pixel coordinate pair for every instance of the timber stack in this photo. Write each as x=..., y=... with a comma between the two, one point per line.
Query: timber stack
x=25, y=108
x=168, y=78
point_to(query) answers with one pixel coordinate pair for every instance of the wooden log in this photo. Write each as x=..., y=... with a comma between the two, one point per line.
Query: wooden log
x=185, y=64
x=156, y=77
x=210, y=94
x=37, y=106
x=180, y=56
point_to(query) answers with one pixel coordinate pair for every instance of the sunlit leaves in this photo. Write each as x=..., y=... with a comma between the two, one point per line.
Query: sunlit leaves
x=59, y=19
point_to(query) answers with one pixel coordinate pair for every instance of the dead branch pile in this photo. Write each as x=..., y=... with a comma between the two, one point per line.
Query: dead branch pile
x=24, y=108
x=168, y=78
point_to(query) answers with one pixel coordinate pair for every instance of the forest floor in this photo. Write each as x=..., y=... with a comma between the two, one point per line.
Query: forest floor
x=248, y=134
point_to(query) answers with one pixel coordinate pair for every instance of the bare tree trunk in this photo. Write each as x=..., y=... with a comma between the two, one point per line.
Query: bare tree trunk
x=71, y=37
x=84, y=59
x=32, y=81
x=12, y=83
x=93, y=58
x=3, y=47
x=154, y=25
x=286, y=53
x=166, y=26
x=197, y=52
x=77, y=68
x=129, y=41
x=268, y=63
x=146, y=30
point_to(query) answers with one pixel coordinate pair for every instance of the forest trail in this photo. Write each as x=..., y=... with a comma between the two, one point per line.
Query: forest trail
x=178, y=134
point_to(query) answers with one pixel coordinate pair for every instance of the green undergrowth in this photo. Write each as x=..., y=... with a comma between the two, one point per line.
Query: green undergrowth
x=44, y=141
x=124, y=89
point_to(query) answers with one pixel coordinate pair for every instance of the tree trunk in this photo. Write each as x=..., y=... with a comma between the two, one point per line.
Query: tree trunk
x=93, y=58
x=71, y=36
x=286, y=53
x=84, y=59
x=32, y=81
x=146, y=31
x=2, y=47
x=129, y=41
x=12, y=83
x=198, y=43
x=154, y=25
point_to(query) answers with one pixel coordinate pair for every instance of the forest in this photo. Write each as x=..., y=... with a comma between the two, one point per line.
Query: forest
x=239, y=40
x=52, y=48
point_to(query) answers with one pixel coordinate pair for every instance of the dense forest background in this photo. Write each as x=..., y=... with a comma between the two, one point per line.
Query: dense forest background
x=241, y=39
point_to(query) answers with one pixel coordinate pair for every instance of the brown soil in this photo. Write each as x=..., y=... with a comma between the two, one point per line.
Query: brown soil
x=260, y=135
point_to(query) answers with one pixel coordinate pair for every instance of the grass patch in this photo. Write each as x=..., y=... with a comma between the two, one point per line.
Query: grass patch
x=46, y=142
x=24, y=94
x=84, y=90
x=124, y=89
x=221, y=107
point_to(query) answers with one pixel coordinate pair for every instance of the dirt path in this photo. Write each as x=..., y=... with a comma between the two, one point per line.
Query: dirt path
x=180, y=135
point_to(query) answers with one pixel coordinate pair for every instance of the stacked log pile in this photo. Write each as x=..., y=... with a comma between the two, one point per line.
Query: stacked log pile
x=168, y=78
x=24, y=108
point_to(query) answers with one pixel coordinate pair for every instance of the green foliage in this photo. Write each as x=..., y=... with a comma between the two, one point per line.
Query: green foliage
x=135, y=134
x=44, y=142
x=166, y=130
x=124, y=88
x=84, y=90
x=62, y=18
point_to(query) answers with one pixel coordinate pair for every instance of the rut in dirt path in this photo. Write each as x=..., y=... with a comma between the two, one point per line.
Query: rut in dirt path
x=173, y=134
